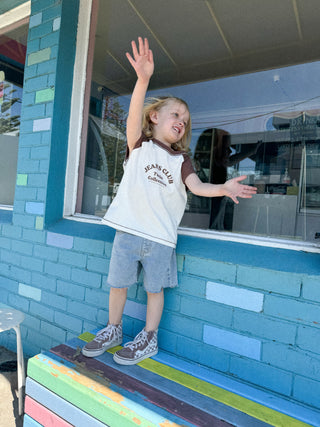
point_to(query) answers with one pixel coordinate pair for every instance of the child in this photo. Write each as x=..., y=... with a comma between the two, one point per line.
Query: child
x=148, y=207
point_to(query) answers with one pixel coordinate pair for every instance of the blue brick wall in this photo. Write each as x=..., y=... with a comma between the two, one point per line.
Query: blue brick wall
x=249, y=316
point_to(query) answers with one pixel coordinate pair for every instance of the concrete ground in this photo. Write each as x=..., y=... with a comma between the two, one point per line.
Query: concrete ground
x=9, y=390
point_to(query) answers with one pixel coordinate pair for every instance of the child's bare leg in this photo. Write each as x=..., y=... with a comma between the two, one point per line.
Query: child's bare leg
x=154, y=310
x=117, y=300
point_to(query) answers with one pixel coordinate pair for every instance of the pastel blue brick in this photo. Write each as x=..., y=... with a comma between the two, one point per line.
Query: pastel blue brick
x=182, y=325
x=47, y=67
x=34, y=84
x=25, y=193
x=292, y=359
x=35, y=20
x=34, y=236
x=271, y=378
x=58, y=270
x=43, y=281
x=49, y=40
x=86, y=278
x=96, y=297
x=94, y=247
x=18, y=302
x=5, y=243
x=30, y=140
x=11, y=231
x=11, y=285
x=100, y=265
x=26, y=126
x=28, y=99
x=34, y=111
x=82, y=310
x=207, y=311
x=213, y=270
x=40, y=153
x=135, y=310
x=41, y=124
x=233, y=342
x=28, y=165
x=307, y=391
x=37, y=180
x=264, y=327
x=309, y=339
x=270, y=280
x=44, y=166
x=41, y=311
x=35, y=208
x=29, y=292
x=59, y=240
x=41, y=194
x=69, y=289
x=311, y=288
x=22, y=247
x=72, y=258
x=291, y=309
x=32, y=264
x=19, y=206
x=53, y=331
x=53, y=300
x=49, y=108
x=191, y=285
x=52, y=76
x=235, y=296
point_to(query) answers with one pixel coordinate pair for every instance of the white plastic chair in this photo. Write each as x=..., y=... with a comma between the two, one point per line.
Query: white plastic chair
x=11, y=319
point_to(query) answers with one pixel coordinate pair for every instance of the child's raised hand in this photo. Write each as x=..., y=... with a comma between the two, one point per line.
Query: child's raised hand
x=234, y=189
x=142, y=60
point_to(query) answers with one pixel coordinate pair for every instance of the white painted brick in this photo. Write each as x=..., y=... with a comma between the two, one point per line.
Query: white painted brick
x=29, y=292
x=230, y=341
x=136, y=310
x=42, y=124
x=56, y=24
x=236, y=297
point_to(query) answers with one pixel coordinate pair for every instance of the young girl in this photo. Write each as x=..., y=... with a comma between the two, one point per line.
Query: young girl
x=148, y=208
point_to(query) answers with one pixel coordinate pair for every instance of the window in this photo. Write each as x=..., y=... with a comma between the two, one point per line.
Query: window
x=263, y=124
x=12, y=58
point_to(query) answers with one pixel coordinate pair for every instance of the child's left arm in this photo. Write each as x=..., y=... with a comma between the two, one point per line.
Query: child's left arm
x=231, y=188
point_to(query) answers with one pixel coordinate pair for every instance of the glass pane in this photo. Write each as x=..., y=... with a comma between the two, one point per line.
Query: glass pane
x=264, y=125
x=12, y=59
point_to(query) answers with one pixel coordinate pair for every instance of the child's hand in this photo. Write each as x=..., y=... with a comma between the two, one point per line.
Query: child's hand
x=234, y=189
x=142, y=60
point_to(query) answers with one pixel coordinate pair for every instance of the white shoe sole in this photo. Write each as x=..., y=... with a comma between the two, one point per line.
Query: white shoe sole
x=95, y=353
x=123, y=361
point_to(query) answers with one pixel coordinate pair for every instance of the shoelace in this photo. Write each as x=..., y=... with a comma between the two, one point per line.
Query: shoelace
x=102, y=336
x=140, y=339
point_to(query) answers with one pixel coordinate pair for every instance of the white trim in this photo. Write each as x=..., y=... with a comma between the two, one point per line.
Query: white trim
x=15, y=15
x=77, y=102
x=222, y=235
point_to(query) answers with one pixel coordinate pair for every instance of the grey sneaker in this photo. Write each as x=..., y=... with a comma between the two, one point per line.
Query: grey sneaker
x=144, y=345
x=108, y=337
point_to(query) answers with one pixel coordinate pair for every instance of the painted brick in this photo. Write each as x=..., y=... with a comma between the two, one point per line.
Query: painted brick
x=22, y=247
x=11, y=231
x=47, y=67
x=168, y=340
x=68, y=322
x=34, y=236
x=307, y=391
x=182, y=325
x=34, y=84
x=5, y=243
x=43, y=281
x=44, y=166
x=32, y=263
x=268, y=280
x=52, y=12
x=72, y=258
x=291, y=359
x=29, y=292
x=97, y=298
x=59, y=240
x=58, y=270
x=86, y=278
x=40, y=30
x=136, y=310
x=230, y=341
x=44, y=341
x=39, y=153
x=41, y=311
x=41, y=194
x=108, y=249
x=180, y=262
x=10, y=257
x=71, y=290
x=26, y=125
x=33, y=46
x=291, y=309
x=56, y=24
x=22, y=179
x=39, y=223
x=24, y=153
x=206, y=310
x=52, y=76
x=191, y=285
x=82, y=310
x=25, y=193
x=172, y=301
x=235, y=297
x=309, y=339
x=95, y=247
x=11, y=285
x=53, y=331
x=35, y=20
x=44, y=95
x=29, y=140
x=31, y=322
x=34, y=111
x=102, y=318
x=262, y=375
x=19, y=206
x=211, y=269
x=41, y=124
x=19, y=274
x=35, y=208
x=100, y=265
x=311, y=288
x=54, y=300
x=42, y=5
x=264, y=327
x=49, y=40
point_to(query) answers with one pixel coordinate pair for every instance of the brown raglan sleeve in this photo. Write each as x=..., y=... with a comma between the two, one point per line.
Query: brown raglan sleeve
x=186, y=168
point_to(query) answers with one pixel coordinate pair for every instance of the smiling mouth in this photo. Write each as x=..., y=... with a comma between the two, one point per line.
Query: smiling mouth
x=176, y=129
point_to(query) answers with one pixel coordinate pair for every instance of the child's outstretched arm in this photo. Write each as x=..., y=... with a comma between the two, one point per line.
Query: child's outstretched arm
x=142, y=62
x=231, y=188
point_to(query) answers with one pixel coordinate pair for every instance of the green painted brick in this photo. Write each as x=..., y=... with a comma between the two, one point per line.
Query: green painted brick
x=22, y=179
x=39, y=223
x=45, y=95
x=39, y=56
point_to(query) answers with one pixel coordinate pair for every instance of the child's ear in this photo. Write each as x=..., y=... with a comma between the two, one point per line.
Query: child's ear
x=154, y=116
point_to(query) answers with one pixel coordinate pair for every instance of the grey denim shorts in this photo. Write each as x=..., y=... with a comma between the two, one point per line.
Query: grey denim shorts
x=131, y=254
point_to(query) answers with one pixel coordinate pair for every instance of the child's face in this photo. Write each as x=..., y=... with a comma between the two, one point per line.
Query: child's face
x=170, y=122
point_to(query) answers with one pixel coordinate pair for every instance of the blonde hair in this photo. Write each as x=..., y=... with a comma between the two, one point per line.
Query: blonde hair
x=155, y=104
